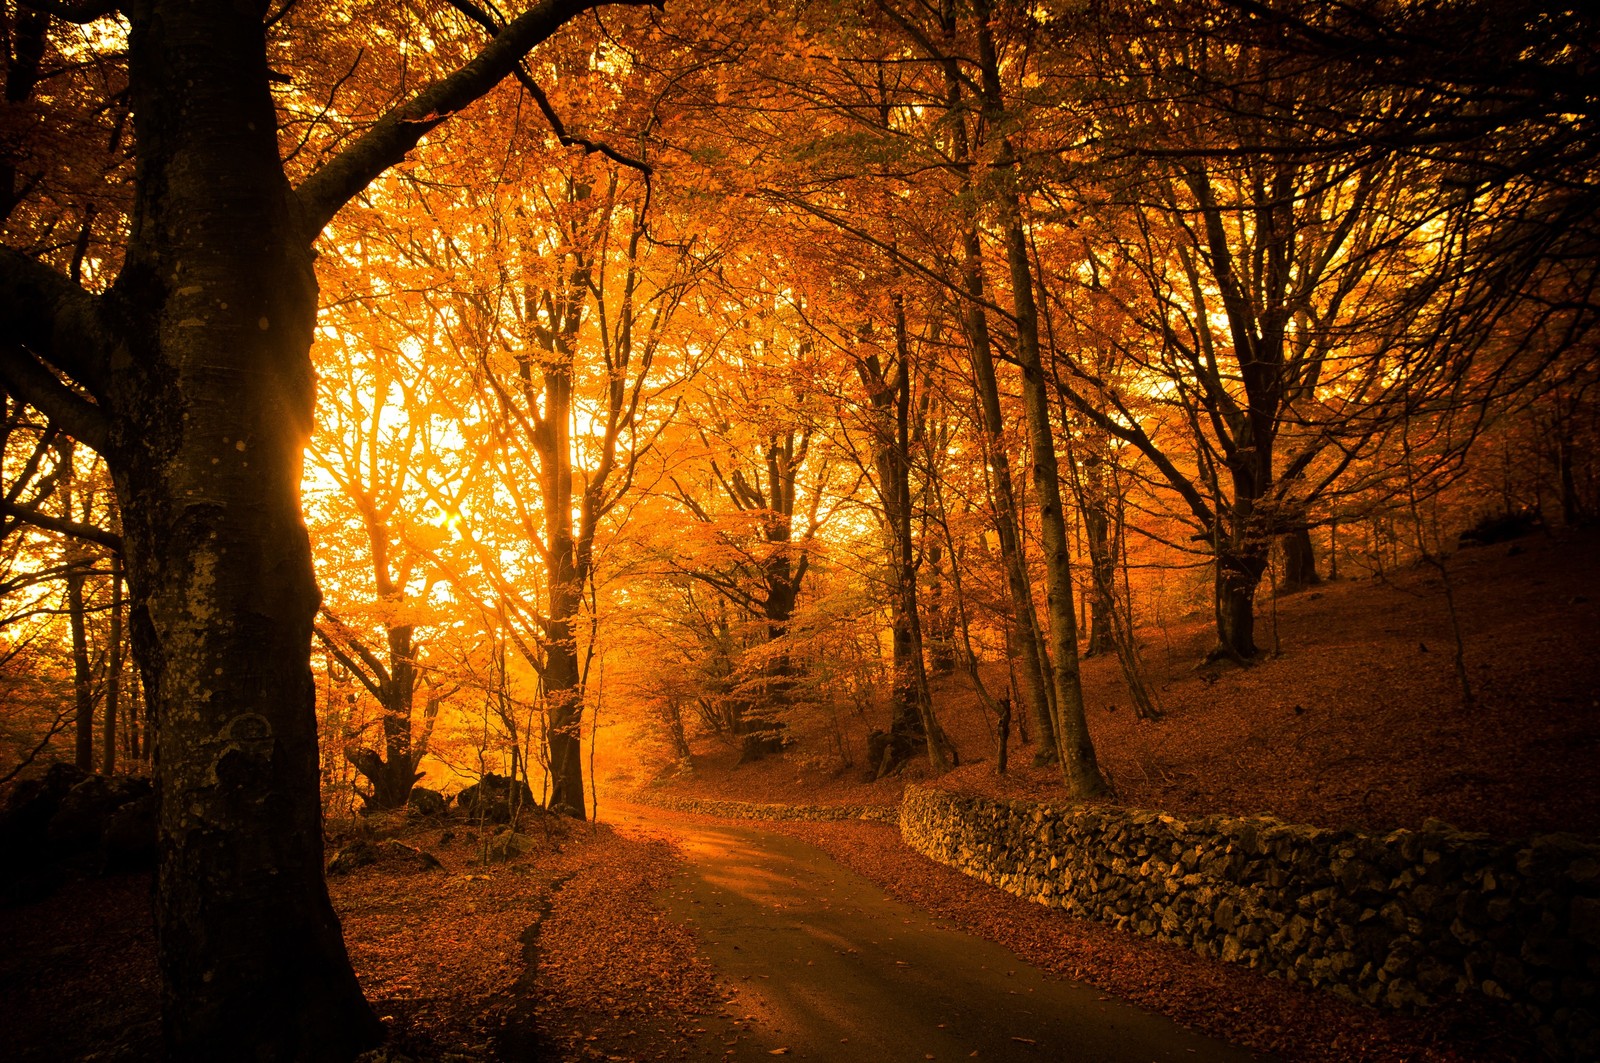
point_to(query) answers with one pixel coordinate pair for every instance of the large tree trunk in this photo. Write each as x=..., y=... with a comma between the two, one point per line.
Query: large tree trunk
x=1241, y=551
x=219, y=565
x=562, y=677
x=1237, y=577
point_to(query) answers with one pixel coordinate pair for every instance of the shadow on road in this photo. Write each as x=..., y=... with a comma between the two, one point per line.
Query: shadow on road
x=826, y=966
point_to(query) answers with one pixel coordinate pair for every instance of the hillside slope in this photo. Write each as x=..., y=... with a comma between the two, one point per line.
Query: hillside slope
x=1360, y=721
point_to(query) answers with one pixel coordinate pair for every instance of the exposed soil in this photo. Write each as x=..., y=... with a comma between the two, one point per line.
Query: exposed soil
x=1360, y=721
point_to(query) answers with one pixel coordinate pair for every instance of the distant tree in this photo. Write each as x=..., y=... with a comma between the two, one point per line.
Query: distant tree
x=755, y=488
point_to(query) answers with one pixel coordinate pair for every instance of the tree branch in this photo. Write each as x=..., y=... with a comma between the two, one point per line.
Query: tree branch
x=25, y=379
x=54, y=318
x=400, y=130
x=84, y=11
x=62, y=526
x=558, y=127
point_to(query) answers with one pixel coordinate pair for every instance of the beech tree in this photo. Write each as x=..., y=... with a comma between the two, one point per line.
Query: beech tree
x=190, y=373
x=376, y=431
x=754, y=492
x=592, y=304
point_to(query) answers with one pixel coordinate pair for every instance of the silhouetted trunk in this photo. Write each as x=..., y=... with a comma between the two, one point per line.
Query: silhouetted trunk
x=1571, y=506
x=672, y=713
x=77, y=562
x=1094, y=484
x=113, y=698
x=219, y=569
x=564, y=698
x=1573, y=511
x=941, y=620
x=197, y=359
x=1102, y=563
x=1240, y=547
x=911, y=724
x=1237, y=577
x=1333, y=548
x=1299, y=561
x=82, y=680
x=1003, y=739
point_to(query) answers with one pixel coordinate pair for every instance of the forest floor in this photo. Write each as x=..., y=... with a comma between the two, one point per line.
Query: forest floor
x=558, y=953
x=549, y=954
x=583, y=948
x=1354, y=717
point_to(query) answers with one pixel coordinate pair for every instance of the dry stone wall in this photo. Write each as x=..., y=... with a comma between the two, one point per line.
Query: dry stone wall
x=1404, y=919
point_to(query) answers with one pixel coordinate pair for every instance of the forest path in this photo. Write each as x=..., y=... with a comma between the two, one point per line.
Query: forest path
x=824, y=965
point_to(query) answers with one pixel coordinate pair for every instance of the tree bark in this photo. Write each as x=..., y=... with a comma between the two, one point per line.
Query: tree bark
x=1241, y=547
x=1023, y=642
x=113, y=698
x=211, y=408
x=561, y=676
x=1097, y=530
x=941, y=621
x=1299, y=561
x=564, y=705
x=912, y=722
x=1078, y=765
x=82, y=681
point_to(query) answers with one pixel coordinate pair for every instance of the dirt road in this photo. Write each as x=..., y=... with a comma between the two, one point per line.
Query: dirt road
x=825, y=966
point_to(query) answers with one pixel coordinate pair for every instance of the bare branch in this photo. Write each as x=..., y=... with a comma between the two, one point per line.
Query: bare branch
x=25, y=379
x=60, y=525
x=55, y=319
x=400, y=130
x=83, y=11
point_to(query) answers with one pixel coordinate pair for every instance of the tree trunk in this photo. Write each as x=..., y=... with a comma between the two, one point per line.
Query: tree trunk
x=207, y=474
x=1237, y=577
x=82, y=681
x=911, y=718
x=1333, y=549
x=1241, y=549
x=672, y=711
x=564, y=733
x=1102, y=562
x=1299, y=561
x=941, y=623
x=1078, y=765
x=113, y=698
x=1572, y=510
x=1024, y=643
